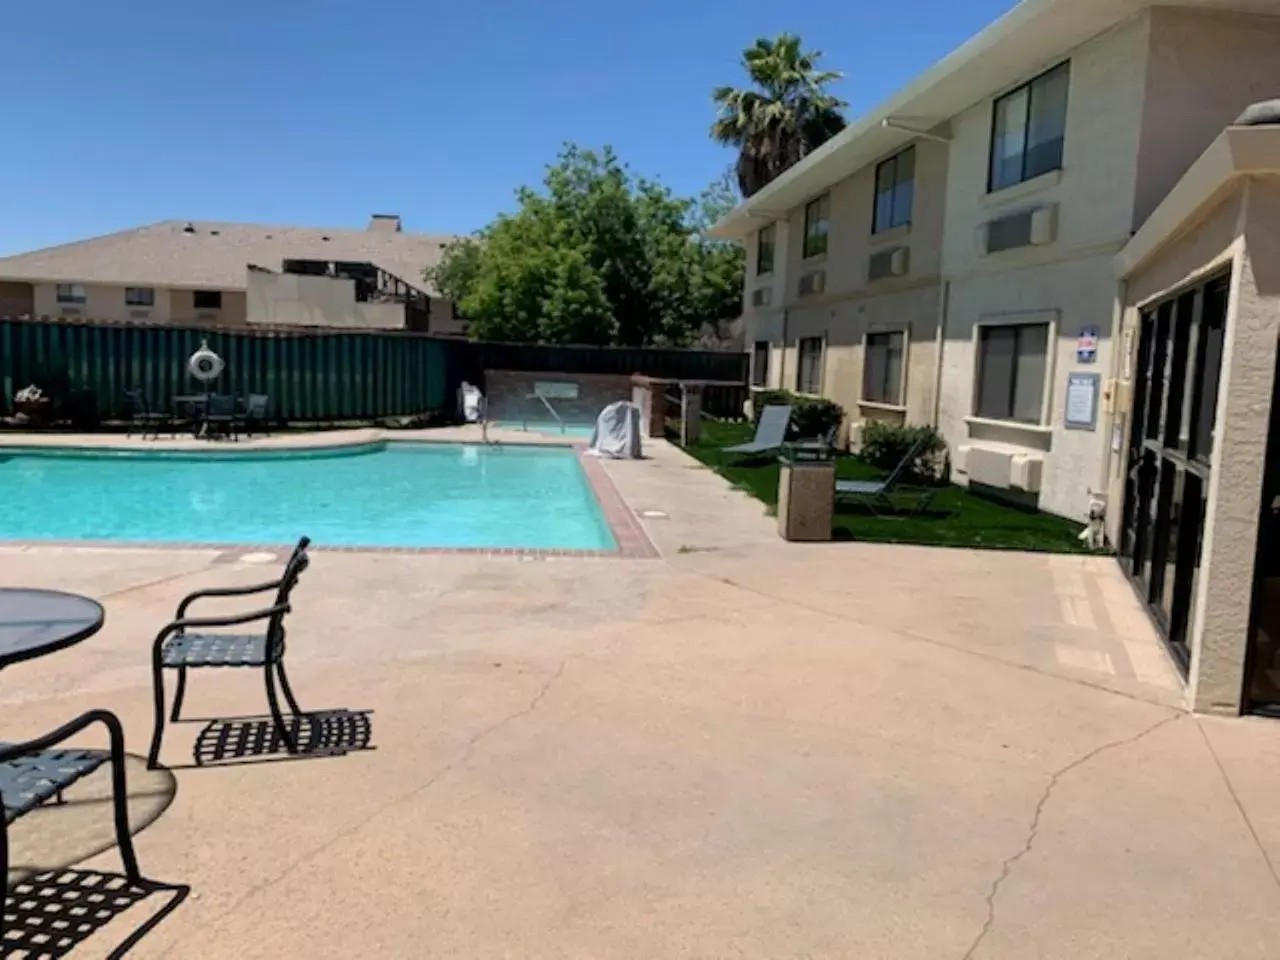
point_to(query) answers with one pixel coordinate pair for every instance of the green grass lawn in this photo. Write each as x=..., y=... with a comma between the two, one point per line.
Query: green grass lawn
x=956, y=518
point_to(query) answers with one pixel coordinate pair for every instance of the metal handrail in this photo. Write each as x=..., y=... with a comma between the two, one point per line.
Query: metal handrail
x=550, y=409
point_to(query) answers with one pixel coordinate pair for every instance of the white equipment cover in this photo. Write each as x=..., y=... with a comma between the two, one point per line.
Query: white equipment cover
x=617, y=433
x=472, y=403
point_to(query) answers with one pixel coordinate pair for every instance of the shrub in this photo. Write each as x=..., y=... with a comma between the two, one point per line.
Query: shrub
x=884, y=446
x=810, y=416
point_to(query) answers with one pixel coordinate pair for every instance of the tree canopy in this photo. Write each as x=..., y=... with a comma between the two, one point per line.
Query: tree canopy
x=596, y=256
x=786, y=114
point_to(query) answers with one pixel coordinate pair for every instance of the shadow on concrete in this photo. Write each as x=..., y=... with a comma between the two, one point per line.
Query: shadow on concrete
x=324, y=733
x=50, y=914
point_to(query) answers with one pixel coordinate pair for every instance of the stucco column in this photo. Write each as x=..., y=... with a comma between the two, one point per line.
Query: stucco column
x=1224, y=593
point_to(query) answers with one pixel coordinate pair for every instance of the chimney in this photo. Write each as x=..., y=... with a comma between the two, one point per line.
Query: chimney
x=385, y=223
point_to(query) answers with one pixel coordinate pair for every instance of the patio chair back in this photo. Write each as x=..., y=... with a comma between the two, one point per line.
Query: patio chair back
x=255, y=407
x=298, y=562
x=138, y=404
x=771, y=431
x=896, y=475
x=221, y=405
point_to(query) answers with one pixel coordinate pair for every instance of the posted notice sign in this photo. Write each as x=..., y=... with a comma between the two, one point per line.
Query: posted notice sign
x=1087, y=345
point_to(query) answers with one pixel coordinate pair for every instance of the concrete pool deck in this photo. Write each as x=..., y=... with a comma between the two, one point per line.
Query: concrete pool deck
x=743, y=748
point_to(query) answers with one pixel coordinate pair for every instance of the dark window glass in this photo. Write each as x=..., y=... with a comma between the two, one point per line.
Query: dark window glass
x=1029, y=128
x=895, y=191
x=809, y=369
x=765, y=243
x=207, y=299
x=816, y=214
x=882, y=368
x=1213, y=318
x=1011, y=369
x=139, y=297
x=760, y=364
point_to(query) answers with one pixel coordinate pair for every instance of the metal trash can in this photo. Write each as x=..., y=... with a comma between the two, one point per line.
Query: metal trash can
x=806, y=498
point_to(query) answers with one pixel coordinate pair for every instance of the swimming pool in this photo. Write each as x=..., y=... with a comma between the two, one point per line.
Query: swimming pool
x=382, y=495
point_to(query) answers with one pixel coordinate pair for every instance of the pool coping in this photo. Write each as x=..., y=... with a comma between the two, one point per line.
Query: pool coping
x=632, y=540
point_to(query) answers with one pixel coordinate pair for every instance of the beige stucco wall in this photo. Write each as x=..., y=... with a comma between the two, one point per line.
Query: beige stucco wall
x=1205, y=246
x=102, y=302
x=851, y=306
x=294, y=300
x=1221, y=626
x=1069, y=282
x=1202, y=70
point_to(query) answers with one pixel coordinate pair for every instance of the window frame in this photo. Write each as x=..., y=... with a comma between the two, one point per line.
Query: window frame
x=761, y=243
x=818, y=204
x=1050, y=325
x=196, y=294
x=72, y=297
x=760, y=371
x=800, y=367
x=901, y=401
x=1027, y=87
x=131, y=299
x=876, y=226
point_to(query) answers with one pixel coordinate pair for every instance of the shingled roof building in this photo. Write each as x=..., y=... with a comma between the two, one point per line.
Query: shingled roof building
x=235, y=274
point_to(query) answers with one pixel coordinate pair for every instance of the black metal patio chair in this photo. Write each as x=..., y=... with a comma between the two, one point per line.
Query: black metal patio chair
x=36, y=771
x=255, y=413
x=183, y=645
x=146, y=419
x=222, y=416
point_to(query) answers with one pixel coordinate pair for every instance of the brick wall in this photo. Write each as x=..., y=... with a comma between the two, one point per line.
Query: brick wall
x=508, y=394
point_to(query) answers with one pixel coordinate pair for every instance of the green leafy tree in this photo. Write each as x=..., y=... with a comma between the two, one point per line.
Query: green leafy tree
x=595, y=256
x=784, y=115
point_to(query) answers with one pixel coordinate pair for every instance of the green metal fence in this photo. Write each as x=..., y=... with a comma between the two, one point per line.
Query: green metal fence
x=309, y=375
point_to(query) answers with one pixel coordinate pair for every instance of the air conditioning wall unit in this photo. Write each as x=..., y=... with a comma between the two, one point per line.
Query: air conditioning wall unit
x=1002, y=469
x=1036, y=227
x=69, y=311
x=814, y=283
x=206, y=318
x=893, y=262
x=762, y=297
x=139, y=314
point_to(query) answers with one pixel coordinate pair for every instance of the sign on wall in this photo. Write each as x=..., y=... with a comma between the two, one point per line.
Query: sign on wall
x=1087, y=345
x=1082, y=401
x=555, y=389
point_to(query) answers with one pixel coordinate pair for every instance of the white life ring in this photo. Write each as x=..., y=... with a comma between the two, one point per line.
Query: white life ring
x=205, y=365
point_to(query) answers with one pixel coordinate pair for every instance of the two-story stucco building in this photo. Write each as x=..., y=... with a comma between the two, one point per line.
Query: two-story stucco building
x=1070, y=222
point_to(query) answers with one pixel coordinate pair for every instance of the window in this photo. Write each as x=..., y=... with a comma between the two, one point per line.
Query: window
x=139, y=297
x=895, y=191
x=760, y=364
x=207, y=299
x=766, y=240
x=1028, y=129
x=882, y=368
x=1012, y=360
x=809, y=371
x=816, y=213
x=71, y=293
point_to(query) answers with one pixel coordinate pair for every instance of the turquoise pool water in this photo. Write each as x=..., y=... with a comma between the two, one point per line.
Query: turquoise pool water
x=388, y=495
x=550, y=427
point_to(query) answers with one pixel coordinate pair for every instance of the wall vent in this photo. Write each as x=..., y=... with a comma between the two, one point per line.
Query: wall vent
x=69, y=311
x=894, y=262
x=813, y=283
x=206, y=317
x=139, y=314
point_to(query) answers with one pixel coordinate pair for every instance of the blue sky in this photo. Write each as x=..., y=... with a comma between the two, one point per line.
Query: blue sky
x=321, y=112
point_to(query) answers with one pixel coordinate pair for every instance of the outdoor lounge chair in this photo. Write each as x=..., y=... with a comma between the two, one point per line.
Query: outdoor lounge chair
x=771, y=432
x=144, y=418
x=184, y=645
x=819, y=448
x=36, y=771
x=875, y=494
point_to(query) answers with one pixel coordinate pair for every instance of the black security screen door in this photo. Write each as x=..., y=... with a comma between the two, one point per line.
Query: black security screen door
x=1175, y=398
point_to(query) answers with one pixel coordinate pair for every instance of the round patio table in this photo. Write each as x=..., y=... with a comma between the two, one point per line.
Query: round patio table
x=34, y=623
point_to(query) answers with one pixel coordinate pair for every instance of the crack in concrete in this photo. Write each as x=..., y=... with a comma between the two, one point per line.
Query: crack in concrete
x=1033, y=831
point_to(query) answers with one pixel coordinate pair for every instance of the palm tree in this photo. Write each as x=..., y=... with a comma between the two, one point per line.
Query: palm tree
x=784, y=116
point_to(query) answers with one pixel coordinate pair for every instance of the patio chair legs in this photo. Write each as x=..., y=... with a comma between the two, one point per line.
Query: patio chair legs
x=157, y=734
x=274, y=703
x=120, y=798
x=178, y=694
x=288, y=690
